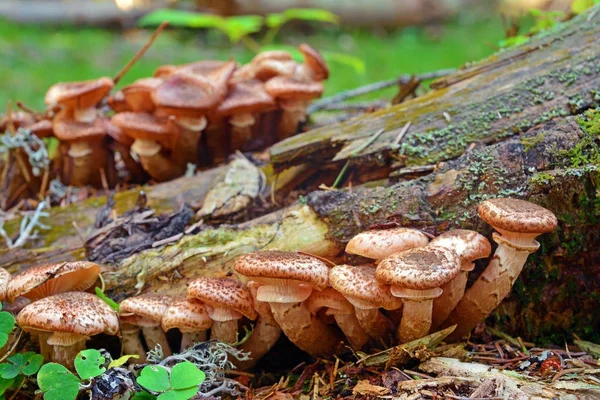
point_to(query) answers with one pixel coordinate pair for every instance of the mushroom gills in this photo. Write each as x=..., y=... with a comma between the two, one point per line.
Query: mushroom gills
x=88, y=115
x=80, y=149
x=274, y=290
x=222, y=314
x=145, y=148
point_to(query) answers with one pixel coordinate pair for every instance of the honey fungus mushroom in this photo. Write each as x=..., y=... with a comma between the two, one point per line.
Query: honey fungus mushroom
x=64, y=322
x=227, y=302
x=378, y=244
x=416, y=276
x=4, y=279
x=41, y=281
x=81, y=97
x=285, y=281
x=518, y=223
x=191, y=318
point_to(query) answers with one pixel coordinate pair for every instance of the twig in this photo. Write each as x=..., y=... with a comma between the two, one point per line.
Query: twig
x=140, y=53
x=396, y=142
x=354, y=152
x=373, y=87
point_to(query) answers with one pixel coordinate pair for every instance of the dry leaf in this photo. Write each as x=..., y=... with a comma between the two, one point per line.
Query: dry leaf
x=366, y=389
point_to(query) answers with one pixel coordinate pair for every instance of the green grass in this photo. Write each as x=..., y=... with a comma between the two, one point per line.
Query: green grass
x=32, y=58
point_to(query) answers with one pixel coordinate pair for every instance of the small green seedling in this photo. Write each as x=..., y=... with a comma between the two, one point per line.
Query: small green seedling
x=181, y=384
x=58, y=383
x=113, y=304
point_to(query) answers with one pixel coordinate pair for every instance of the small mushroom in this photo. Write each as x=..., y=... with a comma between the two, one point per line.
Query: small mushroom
x=416, y=276
x=191, y=318
x=285, y=281
x=469, y=246
x=518, y=223
x=80, y=97
x=378, y=244
x=66, y=321
x=154, y=141
x=138, y=95
x=227, y=301
x=146, y=312
x=314, y=63
x=88, y=152
x=242, y=106
x=121, y=144
x=359, y=286
x=335, y=304
x=41, y=281
x=4, y=280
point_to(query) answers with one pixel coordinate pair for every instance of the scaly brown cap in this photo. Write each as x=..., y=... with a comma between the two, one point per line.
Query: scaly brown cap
x=144, y=310
x=421, y=269
x=222, y=292
x=81, y=95
x=315, y=62
x=45, y=280
x=290, y=88
x=380, y=243
x=359, y=286
x=76, y=313
x=283, y=265
x=145, y=126
x=514, y=215
x=468, y=245
x=187, y=316
x=245, y=97
x=4, y=279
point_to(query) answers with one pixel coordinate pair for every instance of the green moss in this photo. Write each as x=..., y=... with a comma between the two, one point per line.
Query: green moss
x=542, y=178
x=530, y=142
x=587, y=151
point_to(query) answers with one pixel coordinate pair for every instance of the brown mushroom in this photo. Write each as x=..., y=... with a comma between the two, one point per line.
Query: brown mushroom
x=416, y=276
x=314, y=63
x=41, y=281
x=332, y=303
x=66, y=321
x=144, y=312
x=359, y=286
x=191, y=318
x=469, y=246
x=285, y=280
x=138, y=95
x=518, y=223
x=227, y=301
x=378, y=244
x=121, y=144
x=4, y=280
x=79, y=97
x=154, y=141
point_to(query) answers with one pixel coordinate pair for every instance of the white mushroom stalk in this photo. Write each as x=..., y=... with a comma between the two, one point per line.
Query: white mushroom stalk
x=417, y=312
x=131, y=342
x=519, y=223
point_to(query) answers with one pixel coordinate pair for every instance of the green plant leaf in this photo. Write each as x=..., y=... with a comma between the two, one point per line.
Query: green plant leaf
x=7, y=324
x=121, y=360
x=239, y=26
x=311, y=14
x=113, y=304
x=154, y=378
x=275, y=20
x=180, y=18
x=345, y=59
x=5, y=384
x=27, y=363
x=88, y=363
x=186, y=375
x=9, y=371
x=57, y=382
x=179, y=394
x=143, y=396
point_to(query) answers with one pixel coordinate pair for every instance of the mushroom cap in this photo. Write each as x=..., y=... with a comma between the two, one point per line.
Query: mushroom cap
x=314, y=60
x=331, y=299
x=116, y=133
x=284, y=87
x=279, y=55
x=421, y=268
x=468, y=245
x=223, y=292
x=19, y=119
x=380, y=243
x=138, y=95
x=67, y=129
x=194, y=89
x=77, y=313
x=146, y=126
x=245, y=97
x=187, y=316
x=283, y=265
x=45, y=280
x=359, y=282
x=514, y=215
x=117, y=102
x=149, y=307
x=42, y=128
x=82, y=94
x=4, y=279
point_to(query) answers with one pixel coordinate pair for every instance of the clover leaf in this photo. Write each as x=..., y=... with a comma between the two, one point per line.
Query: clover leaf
x=57, y=382
x=88, y=363
x=154, y=378
x=5, y=384
x=182, y=384
x=186, y=375
x=143, y=396
x=7, y=324
x=21, y=363
x=178, y=394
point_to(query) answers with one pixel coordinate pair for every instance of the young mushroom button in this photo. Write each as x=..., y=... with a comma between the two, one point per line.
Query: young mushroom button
x=227, y=301
x=378, y=244
x=286, y=279
x=469, y=246
x=518, y=223
x=66, y=321
x=416, y=275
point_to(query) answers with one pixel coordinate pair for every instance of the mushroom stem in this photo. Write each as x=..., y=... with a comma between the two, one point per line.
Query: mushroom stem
x=492, y=286
x=294, y=112
x=416, y=319
x=135, y=169
x=65, y=355
x=305, y=330
x=188, y=339
x=354, y=332
x=45, y=349
x=84, y=164
x=224, y=331
x=377, y=325
x=263, y=338
x=131, y=343
x=453, y=291
x=154, y=335
x=162, y=168
x=241, y=130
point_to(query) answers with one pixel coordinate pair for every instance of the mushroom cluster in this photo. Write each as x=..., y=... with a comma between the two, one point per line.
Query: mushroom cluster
x=411, y=287
x=196, y=114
